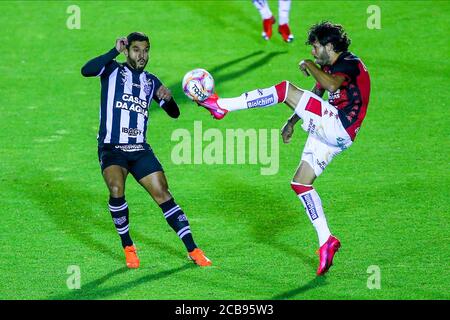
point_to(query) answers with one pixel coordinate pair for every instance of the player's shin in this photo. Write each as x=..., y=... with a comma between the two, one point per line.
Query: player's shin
x=263, y=8
x=258, y=98
x=178, y=222
x=284, y=6
x=119, y=213
x=313, y=206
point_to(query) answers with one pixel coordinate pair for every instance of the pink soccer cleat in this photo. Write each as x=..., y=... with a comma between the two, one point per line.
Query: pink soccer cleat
x=267, y=28
x=285, y=32
x=326, y=254
x=213, y=107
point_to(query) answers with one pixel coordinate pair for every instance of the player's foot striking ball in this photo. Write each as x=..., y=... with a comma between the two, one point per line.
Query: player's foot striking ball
x=198, y=85
x=331, y=125
x=126, y=95
x=211, y=105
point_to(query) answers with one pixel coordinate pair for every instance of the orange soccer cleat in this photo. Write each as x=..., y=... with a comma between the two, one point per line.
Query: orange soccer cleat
x=199, y=258
x=131, y=257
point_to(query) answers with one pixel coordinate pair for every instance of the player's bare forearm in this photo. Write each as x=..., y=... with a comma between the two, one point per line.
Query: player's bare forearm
x=293, y=119
x=288, y=129
x=328, y=82
x=318, y=92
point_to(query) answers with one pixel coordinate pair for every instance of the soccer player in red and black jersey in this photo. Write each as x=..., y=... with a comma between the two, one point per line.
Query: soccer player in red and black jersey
x=331, y=125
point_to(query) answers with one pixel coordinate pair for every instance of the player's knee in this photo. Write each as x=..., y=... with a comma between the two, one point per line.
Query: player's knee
x=161, y=194
x=293, y=95
x=300, y=188
x=116, y=190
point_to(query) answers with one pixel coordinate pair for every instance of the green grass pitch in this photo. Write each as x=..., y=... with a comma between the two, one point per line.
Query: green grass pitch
x=386, y=198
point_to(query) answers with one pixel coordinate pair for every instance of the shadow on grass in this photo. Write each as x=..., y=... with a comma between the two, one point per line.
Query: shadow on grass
x=93, y=289
x=318, y=281
x=267, y=216
x=221, y=77
x=71, y=210
x=291, y=250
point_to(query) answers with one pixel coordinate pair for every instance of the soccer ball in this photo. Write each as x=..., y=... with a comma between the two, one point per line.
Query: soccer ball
x=198, y=84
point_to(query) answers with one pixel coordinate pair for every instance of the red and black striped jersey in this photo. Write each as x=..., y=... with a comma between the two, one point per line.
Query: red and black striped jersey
x=352, y=98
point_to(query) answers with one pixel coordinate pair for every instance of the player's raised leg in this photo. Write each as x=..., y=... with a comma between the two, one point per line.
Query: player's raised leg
x=259, y=98
x=115, y=177
x=284, y=7
x=156, y=185
x=267, y=17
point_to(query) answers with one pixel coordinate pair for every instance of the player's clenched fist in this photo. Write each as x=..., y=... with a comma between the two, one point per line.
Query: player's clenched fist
x=287, y=131
x=303, y=68
x=121, y=44
x=164, y=93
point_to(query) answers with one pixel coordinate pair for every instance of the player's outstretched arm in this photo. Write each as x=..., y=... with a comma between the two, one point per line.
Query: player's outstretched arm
x=328, y=82
x=95, y=66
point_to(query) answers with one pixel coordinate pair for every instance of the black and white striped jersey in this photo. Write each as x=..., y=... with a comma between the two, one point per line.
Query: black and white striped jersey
x=126, y=95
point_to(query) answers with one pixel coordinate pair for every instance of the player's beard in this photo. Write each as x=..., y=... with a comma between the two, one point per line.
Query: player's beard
x=323, y=58
x=134, y=64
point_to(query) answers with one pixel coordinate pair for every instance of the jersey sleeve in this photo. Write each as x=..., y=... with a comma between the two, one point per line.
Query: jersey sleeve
x=157, y=84
x=170, y=107
x=346, y=68
x=102, y=65
x=108, y=68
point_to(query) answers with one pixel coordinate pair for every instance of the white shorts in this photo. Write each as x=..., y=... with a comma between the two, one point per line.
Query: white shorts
x=327, y=137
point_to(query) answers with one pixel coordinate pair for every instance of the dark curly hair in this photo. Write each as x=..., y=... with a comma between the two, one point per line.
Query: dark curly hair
x=137, y=36
x=327, y=32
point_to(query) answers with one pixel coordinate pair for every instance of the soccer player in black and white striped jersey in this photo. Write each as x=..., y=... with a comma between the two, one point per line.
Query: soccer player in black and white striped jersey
x=126, y=94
